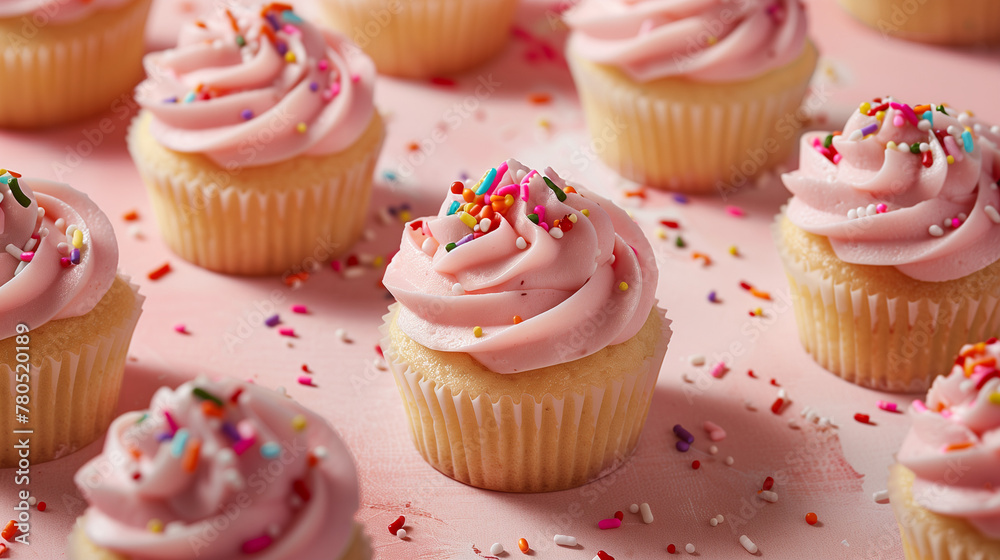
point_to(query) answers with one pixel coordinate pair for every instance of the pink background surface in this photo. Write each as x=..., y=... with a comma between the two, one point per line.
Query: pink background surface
x=832, y=473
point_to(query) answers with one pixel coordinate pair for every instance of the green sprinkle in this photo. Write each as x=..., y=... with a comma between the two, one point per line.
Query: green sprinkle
x=533, y=218
x=915, y=148
x=559, y=192
x=241, y=41
x=141, y=419
x=828, y=141
x=206, y=396
x=680, y=242
x=449, y=247
x=19, y=195
x=940, y=109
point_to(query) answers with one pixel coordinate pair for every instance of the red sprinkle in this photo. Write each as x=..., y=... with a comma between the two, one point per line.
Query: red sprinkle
x=397, y=525
x=301, y=490
x=131, y=216
x=671, y=549
x=775, y=382
x=746, y=286
x=695, y=464
x=751, y=374
x=604, y=555
x=441, y=81
x=863, y=418
x=768, y=483
x=670, y=224
x=619, y=515
x=159, y=272
x=779, y=403
x=41, y=506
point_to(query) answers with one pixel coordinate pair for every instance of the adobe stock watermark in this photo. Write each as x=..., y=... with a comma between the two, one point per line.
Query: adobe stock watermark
x=612, y=129
x=901, y=14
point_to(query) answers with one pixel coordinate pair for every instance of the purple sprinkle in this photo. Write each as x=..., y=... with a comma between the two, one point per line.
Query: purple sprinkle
x=272, y=321
x=247, y=114
x=465, y=239
x=683, y=434
x=683, y=446
x=164, y=437
x=712, y=297
x=463, y=176
x=869, y=129
x=282, y=48
x=680, y=199
x=231, y=431
x=173, y=99
x=313, y=86
x=273, y=21
x=74, y=257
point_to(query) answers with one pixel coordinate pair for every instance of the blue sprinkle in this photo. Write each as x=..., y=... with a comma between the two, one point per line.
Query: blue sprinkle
x=967, y=141
x=272, y=321
x=270, y=450
x=389, y=175
x=5, y=179
x=189, y=97
x=179, y=443
x=928, y=116
x=291, y=17
x=453, y=208
x=487, y=182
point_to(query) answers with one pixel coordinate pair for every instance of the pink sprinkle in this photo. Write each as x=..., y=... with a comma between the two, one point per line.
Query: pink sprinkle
x=335, y=265
x=170, y=422
x=504, y=191
x=291, y=29
x=286, y=332
x=256, y=545
x=355, y=78
x=919, y=406
x=881, y=209
x=306, y=380
x=323, y=64
x=907, y=112
x=719, y=370
x=837, y=158
x=897, y=121
x=735, y=211
x=953, y=149
x=955, y=222
x=26, y=257
x=501, y=171
x=335, y=89
x=887, y=406
x=540, y=212
x=240, y=447
x=612, y=523
x=545, y=225
x=180, y=328
x=299, y=309
x=946, y=413
x=715, y=432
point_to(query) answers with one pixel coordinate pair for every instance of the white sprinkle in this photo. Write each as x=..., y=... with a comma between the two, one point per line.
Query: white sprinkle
x=647, y=515
x=61, y=225
x=555, y=232
x=793, y=424
x=769, y=496
x=352, y=272
x=369, y=234
x=881, y=497
x=960, y=141
x=995, y=129
x=401, y=533
x=689, y=548
x=903, y=147
x=320, y=452
x=70, y=230
x=844, y=542
x=713, y=522
x=135, y=231
x=634, y=508
x=380, y=364
x=871, y=210
x=924, y=146
x=341, y=335
x=782, y=394
x=429, y=246
x=852, y=214
x=686, y=379
x=730, y=460
x=457, y=289
x=855, y=136
x=720, y=518
x=862, y=212
x=564, y=540
x=954, y=130
x=485, y=225
x=697, y=360
x=749, y=406
x=993, y=214
x=713, y=450
x=924, y=125
x=63, y=249
x=273, y=529
x=935, y=231
x=521, y=243
x=745, y=540
x=32, y=500
x=963, y=119
x=947, y=222
x=497, y=548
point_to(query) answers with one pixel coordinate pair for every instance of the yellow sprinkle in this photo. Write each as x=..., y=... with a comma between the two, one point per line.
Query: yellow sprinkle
x=951, y=160
x=404, y=216
x=478, y=331
x=995, y=398
x=78, y=239
x=299, y=423
x=623, y=286
x=890, y=145
x=544, y=123
x=758, y=312
x=734, y=251
x=661, y=233
x=508, y=200
x=302, y=128
x=155, y=526
x=290, y=56
x=377, y=262
x=712, y=40
x=880, y=115
x=573, y=218
x=865, y=107
x=467, y=219
x=585, y=212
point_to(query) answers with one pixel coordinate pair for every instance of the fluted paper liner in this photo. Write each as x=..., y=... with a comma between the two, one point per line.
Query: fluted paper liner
x=81, y=548
x=258, y=229
x=969, y=22
x=930, y=536
x=877, y=340
x=55, y=73
x=683, y=135
x=527, y=446
x=424, y=38
x=73, y=395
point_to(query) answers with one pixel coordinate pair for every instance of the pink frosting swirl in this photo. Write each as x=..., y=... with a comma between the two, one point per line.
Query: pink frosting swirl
x=954, y=445
x=580, y=279
x=220, y=469
x=252, y=87
x=56, y=11
x=931, y=214
x=41, y=277
x=704, y=40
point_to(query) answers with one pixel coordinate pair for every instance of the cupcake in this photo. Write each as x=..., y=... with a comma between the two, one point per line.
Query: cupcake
x=945, y=488
x=970, y=22
x=222, y=470
x=66, y=319
x=891, y=242
x=424, y=38
x=257, y=141
x=691, y=96
x=526, y=340
x=55, y=58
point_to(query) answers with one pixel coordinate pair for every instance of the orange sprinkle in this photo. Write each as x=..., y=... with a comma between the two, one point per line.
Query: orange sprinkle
x=11, y=529
x=276, y=6
x=201, y=24
x=641, y=193
x=209, y=408
x=295, y=278
x=977, y=348
x=921, y=108
x=521, y=543
x=569, y=189
x=707, y=260
x=517, y=319
x=131, y=216
x=267, y=31
x=191, y=456
x=760, y=294
x=540, y=98
x=135, y=452
x=958, y=446
x=413, y=146
x=232, y=21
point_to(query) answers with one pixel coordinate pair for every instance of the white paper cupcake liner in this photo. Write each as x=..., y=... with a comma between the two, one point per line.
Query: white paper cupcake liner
x=877, y=340
x=527, y=446
x=57, y=73
x=73, y=395
x=424, y=38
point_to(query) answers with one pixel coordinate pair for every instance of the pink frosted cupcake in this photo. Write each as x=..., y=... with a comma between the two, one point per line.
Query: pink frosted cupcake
x=945, y=490
x=222, y=470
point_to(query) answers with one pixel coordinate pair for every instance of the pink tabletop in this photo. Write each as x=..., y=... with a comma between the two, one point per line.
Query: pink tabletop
x=436, y=133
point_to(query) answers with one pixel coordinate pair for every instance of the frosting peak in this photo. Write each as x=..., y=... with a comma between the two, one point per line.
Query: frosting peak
x=224, y=470
x=704, y=40
x=914, y=187
x=252, y=87
x=522, y=271
x=954, y=446
x=58, y=253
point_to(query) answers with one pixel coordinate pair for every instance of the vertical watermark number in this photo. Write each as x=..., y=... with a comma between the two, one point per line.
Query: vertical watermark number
x=22, y=438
